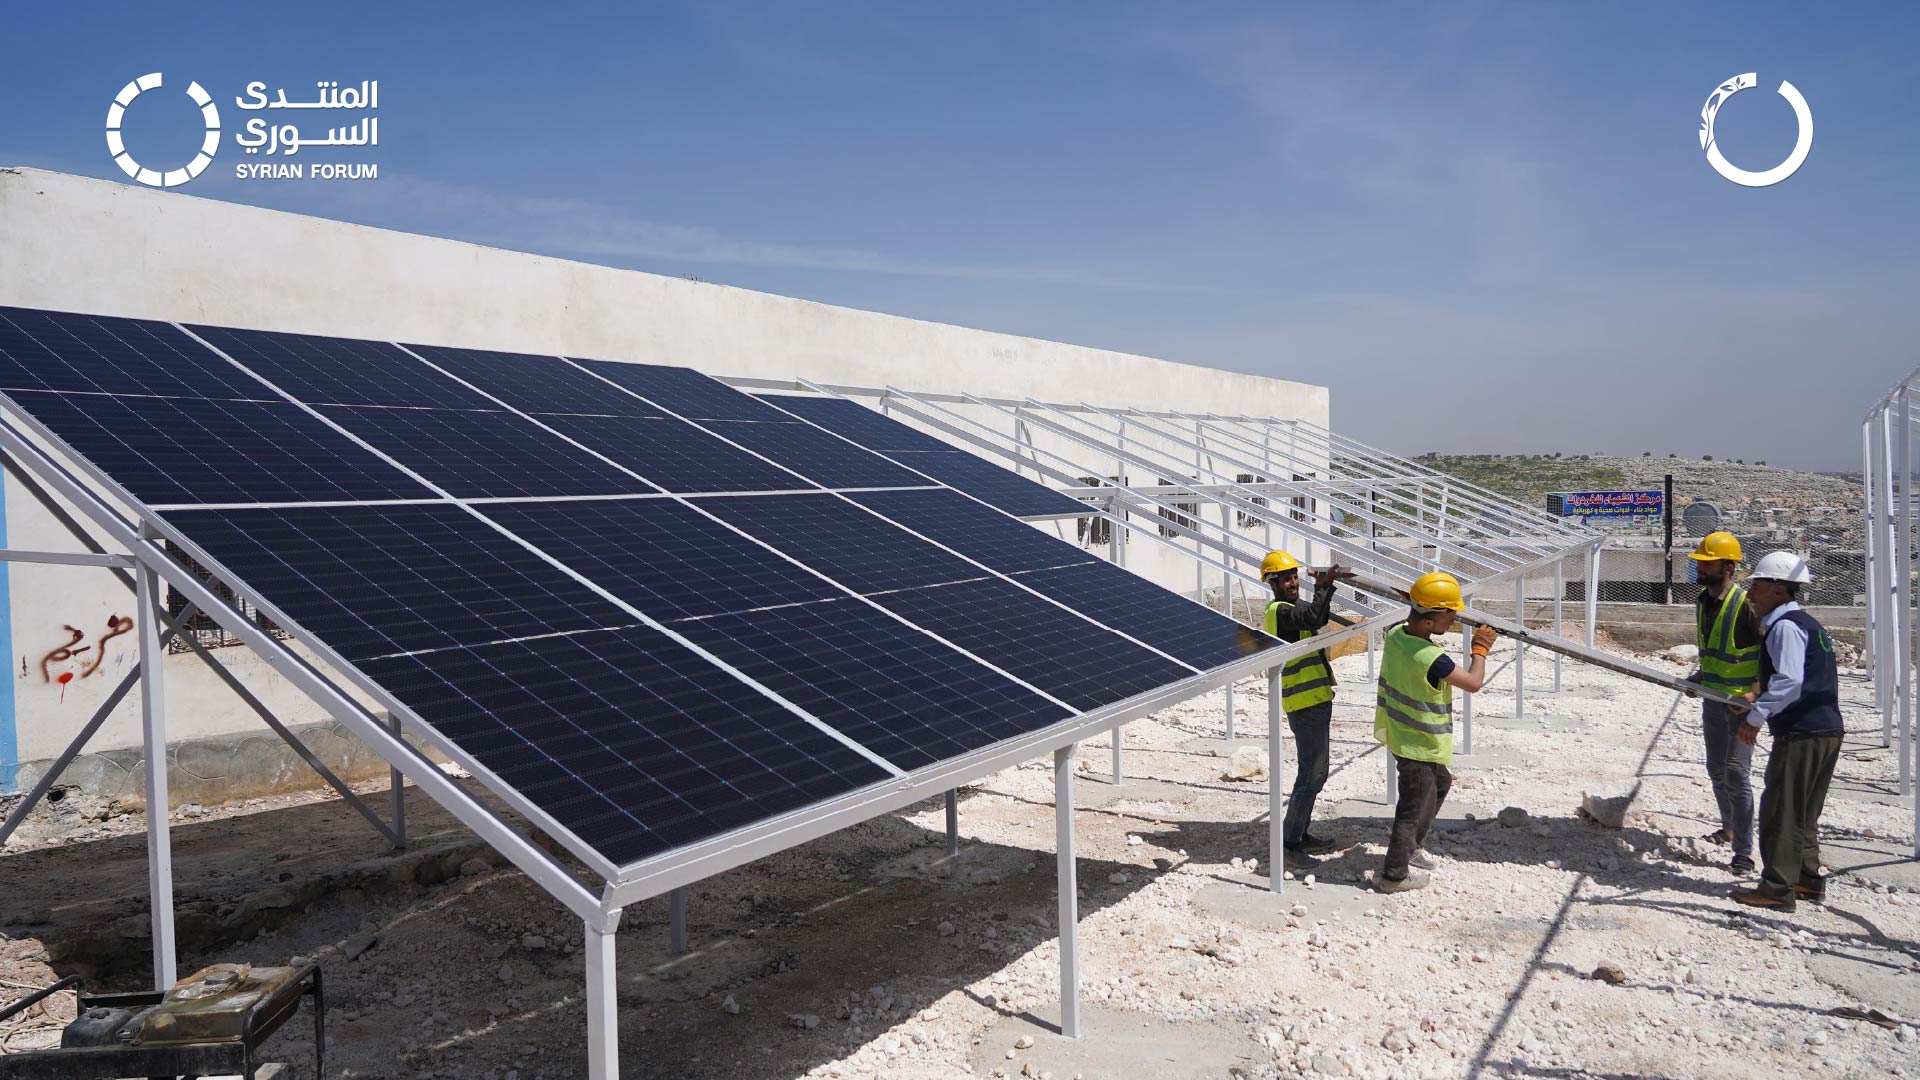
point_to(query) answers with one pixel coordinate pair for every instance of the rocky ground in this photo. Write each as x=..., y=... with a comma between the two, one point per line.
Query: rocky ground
x=867, y=954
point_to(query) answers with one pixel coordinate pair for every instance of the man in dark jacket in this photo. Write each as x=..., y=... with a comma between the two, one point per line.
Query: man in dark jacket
x=1306, y=693
x=1799, y=701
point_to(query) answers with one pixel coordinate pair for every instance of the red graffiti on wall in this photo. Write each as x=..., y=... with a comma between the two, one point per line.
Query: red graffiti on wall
x=72, y=649
x=63, y=653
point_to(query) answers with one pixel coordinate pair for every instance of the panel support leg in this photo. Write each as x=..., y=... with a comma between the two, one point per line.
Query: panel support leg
x=1276, y=795
x=1372, y=672
x=1559, y=597
x=1593, y=593
x=1118, y=744
x=1466, y=700
x=603, y=1005
x=1229, y=712
x=677, y=922
x=397, y=789
x=953, y=819
x=1069, y=892
x=1520, y=649
x=153, y=717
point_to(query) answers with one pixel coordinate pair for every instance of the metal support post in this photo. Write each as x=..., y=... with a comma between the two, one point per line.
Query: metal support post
x=1276, y=795
x=1372, y=672
x=1593, y=593
x=153, y=718
x=1118, y=744
x=1069, y=892
x=603, y=1005
x=1466, y=700
x=1520, y=650
x=397, y=787
x=953, y=821
x=1874, y=555
x=1902, y=563
x=1559, y=614
x=677, y=922
x=1229, y=712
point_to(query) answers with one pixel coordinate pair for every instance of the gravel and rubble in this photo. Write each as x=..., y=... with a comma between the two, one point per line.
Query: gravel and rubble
x=1549, y=944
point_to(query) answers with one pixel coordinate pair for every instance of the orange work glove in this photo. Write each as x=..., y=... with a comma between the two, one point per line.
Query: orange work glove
x=1483, y=638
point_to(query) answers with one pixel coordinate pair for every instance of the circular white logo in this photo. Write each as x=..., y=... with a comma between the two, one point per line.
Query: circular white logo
x=117, y=146
x=1741, y=176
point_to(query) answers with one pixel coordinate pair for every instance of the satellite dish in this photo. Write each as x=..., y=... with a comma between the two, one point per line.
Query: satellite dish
x=1700, y=519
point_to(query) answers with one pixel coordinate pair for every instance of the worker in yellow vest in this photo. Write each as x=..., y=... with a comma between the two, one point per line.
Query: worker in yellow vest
x=1306, y=693
x=1413, y=717
x=1729, y=637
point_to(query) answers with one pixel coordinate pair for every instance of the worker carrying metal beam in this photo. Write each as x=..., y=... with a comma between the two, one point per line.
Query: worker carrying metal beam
x=1306, y=693
x=1728, y=634
x=1413, y=717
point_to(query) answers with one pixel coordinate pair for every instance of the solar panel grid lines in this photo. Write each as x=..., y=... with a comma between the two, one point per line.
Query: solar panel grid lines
x=340, y=371
x=473, y=454
x=696, y=396
x=65, y=352
x=532, y=383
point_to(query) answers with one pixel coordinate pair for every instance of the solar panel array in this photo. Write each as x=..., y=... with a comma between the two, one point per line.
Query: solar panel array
x=654, y=606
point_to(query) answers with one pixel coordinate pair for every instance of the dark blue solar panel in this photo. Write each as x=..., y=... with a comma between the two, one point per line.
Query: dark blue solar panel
x=485, y=454
x=182, y=450
x=685, y=391
x=888, y=686
x=537, y=384
x=53, y=350
x=990, y=483
x=666, y=559
x=981, y=533
x=1165, y=620
x=843, y=541
x=820, y=457
x=868, y=427
x=341, y=371
x=1068, y=657
x=674, y=454
x=628, y=739
x=372, y=580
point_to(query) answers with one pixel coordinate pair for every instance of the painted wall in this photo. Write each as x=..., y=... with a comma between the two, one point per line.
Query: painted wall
x=78, y=244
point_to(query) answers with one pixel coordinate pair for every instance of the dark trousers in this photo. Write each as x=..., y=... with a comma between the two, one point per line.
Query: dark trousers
x=1798, y=773
x=1423, y=788
x=1729, y=766
x=1312, y=729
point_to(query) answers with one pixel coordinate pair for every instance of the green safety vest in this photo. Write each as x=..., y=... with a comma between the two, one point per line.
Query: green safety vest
x=1304, y=680
x=1413, y=717
x=1723, y=667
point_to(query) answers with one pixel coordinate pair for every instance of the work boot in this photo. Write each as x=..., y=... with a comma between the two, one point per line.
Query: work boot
x=1316, y=845
x=1300, y=860
x=1760, y=898
x=1741, y=864
x=1420, y=860
x=1719, y=836
x=1414, y=880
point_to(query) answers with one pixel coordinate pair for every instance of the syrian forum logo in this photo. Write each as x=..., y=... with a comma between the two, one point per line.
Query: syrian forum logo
x=117, y=146
x=1779, y=172
x=274, y=140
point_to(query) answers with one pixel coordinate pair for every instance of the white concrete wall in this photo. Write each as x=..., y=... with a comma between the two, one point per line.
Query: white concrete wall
x=77, y=244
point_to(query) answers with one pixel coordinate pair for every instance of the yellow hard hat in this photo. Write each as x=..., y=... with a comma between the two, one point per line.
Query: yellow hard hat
x=1277, y=562
x=1718, y=545
x=1436, y=591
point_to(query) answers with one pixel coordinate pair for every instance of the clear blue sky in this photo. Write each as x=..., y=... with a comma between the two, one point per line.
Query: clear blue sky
x=1487, y=228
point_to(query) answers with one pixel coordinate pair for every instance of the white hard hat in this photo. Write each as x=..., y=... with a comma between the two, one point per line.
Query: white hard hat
x=1782, y=566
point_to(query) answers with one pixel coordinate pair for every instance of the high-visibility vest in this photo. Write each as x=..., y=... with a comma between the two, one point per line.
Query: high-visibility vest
x=1723, y=667
x=1304, y=680
x=1413, y=717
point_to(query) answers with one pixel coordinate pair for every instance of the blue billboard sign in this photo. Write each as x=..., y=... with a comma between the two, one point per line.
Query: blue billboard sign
x=1606, y=504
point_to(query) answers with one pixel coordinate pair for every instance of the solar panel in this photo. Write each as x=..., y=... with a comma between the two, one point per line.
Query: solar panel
x=674, y=454
x=694, y=396
x=981, y=533
x=893, y=689
x=339, y=371
x=868, y=427
x=641, y=674
x=186, y=450
x=843, y=541
x=1074, y=660
x=990, y=483
x=485, y=454
x=536, y=384
x=373, y=580
x=822, y=458
x=54, y=350
x=626, y=738
x=664, y=558
x=955, y=468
